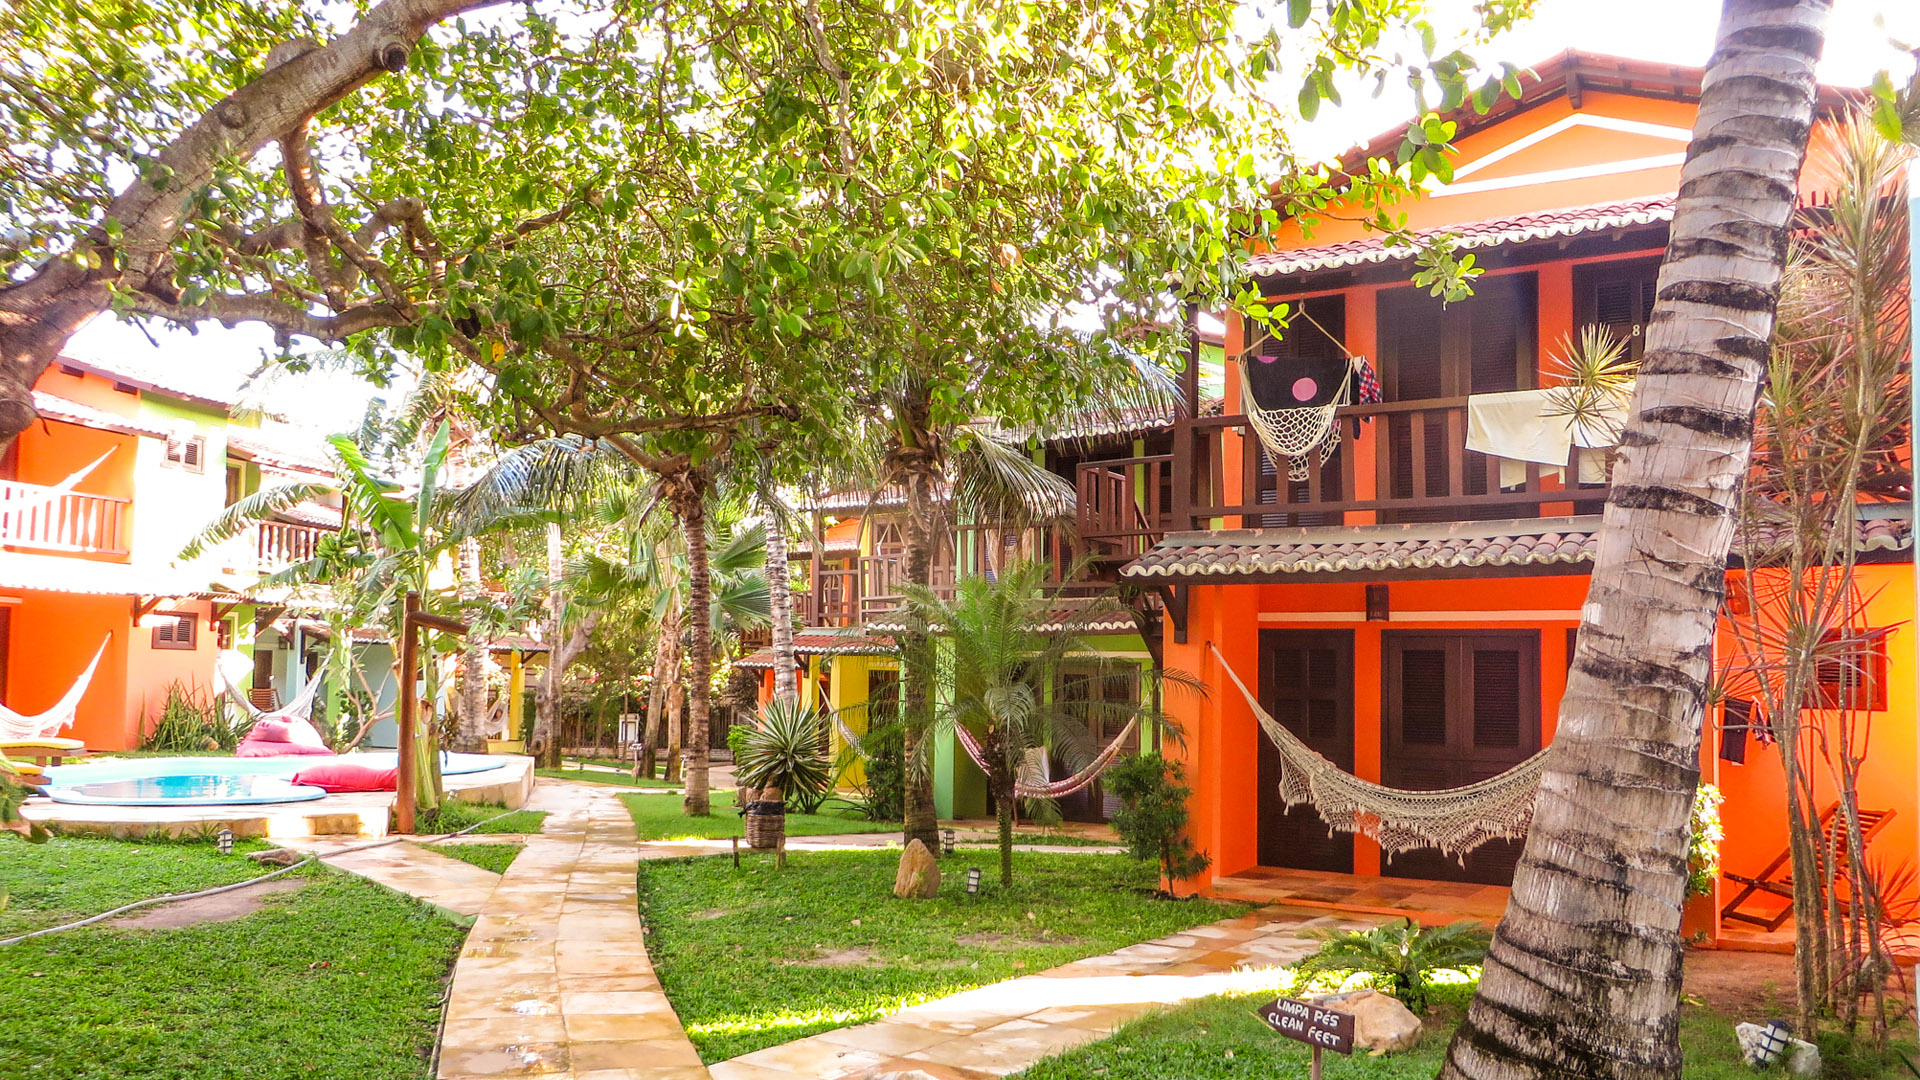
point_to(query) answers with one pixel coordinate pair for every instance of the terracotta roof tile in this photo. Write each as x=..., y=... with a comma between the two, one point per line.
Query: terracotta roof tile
x=1544, y=225
x=851, y=644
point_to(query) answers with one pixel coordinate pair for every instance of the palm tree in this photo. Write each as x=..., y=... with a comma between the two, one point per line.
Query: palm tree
x=1004, y=679
x=1583, y=978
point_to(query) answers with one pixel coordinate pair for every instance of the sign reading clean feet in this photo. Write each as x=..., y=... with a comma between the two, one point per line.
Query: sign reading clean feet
x=1317, y=1026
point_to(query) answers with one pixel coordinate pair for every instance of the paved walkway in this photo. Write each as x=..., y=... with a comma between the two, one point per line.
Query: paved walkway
x=554, y=979
x=414, y=869
x=1008, y=1026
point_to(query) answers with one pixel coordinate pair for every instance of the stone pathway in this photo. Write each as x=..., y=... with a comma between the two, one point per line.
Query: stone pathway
x=414, y=869
x=681, y=849
x=1000, y=1029
x=554, y=979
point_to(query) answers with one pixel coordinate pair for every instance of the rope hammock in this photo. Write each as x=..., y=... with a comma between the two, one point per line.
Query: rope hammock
x=852, y=740
x=15, y=725
x=1455, y=820
x=300, y=708
x=1290, y=435
x=1032, y=784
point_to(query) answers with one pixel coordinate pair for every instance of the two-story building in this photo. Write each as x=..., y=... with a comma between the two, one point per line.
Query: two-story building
x=129, y=460
x=1404, y=604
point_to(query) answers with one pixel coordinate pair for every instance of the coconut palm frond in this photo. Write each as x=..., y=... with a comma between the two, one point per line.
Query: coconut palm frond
x=744, y=601
x=252, y=509
x=551, y=474
x=994, y=481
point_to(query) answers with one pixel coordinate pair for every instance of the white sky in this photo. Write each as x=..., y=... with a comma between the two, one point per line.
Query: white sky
x=1672, y=31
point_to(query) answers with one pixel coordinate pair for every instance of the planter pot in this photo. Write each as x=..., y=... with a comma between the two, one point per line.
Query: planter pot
x=765, y=823
x=506, y=746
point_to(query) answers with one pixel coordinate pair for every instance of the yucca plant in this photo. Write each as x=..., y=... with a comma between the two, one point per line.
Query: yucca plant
x=782, y=756
x=1401, y=957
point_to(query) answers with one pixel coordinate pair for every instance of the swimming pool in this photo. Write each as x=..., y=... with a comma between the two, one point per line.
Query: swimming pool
x=215, y=781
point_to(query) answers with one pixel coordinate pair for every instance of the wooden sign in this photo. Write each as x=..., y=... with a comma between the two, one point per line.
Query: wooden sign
x=1317, y=1026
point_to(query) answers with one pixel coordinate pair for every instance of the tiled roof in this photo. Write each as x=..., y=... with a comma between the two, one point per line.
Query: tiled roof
x=1276, y=554
x=1065, y=619
x=187, y=381
x=1542, y=225
x=278, y=450
x=311, y=513
x=60, y=574
x=853, y=644
x=803, y=548
x=52, y=407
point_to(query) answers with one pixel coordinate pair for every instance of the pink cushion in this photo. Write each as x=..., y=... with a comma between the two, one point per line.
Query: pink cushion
x=273, y=731
x=344, y=776
x=253, y=746
x=303, y=733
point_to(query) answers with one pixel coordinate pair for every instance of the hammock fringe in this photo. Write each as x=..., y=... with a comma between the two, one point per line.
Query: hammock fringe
x=1455, y=820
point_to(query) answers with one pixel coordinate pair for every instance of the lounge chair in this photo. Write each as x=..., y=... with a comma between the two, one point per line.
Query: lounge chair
x=1777, y=879
x=49, y=750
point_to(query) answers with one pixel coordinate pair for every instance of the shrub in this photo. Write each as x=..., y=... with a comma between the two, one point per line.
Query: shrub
x=1402, y=955
x=783, y=750
x=883, y=796
x=1152, y=818
x=1703, y=849
x=192, y=723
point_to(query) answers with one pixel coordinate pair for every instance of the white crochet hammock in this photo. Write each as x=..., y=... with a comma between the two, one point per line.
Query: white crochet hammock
x=1292, y=435
x=20, y=726
x=300, y=708
x=1455, y=820
x=1032, y=782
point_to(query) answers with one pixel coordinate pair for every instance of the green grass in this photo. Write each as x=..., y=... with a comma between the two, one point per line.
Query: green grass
x=1220, y=1038
x=70, y=878
x=612, y=779
x=658, y=817
x=494, y=857
x=338, y=981
x=1057, y=840
x=454, y=816
x=739, y=951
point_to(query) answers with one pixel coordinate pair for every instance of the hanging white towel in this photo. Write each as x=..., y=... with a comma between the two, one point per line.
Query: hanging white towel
x=1523, y=426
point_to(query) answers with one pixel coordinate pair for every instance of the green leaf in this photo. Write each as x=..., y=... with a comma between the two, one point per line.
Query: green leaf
x=1298, y=11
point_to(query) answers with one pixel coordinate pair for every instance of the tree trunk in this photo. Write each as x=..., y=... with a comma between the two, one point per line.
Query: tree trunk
x=1583, y=979
x=39, y=313
x=916, y=684
x=676, y=726
x=690, y=505
x=545, y=743
x=786, y=685
x=473, y=681
x=666, y=663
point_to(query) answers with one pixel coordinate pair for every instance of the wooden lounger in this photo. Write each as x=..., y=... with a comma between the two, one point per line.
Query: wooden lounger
x=44, y=751
x=1777, y=879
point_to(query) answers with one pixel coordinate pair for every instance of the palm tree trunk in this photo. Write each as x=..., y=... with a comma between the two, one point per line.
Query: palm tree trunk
x=1583, y=979
x=690, y=504
x=473, y=681
x=545, y=743
x=676, y=726
x=916, y=684
x=1003, y=805
x=666, y=664
x=786, y=685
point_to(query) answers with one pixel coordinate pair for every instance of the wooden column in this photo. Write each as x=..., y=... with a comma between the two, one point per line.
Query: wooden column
x=409, y=669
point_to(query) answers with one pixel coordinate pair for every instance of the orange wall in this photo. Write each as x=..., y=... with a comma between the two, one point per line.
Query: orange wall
x=51, y=638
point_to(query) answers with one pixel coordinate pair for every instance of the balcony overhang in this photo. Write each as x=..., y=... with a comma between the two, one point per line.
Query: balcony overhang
x=1464, y=549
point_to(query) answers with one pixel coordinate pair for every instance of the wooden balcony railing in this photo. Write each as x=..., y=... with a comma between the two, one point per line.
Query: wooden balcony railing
x=848, y=597
x=279, y=544
x=1124, y=504
x=50, y=519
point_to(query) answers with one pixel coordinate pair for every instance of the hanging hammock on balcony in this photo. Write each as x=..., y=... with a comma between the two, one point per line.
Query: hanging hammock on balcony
x=21, y=726
x=1032, y=782
x=1455, y=820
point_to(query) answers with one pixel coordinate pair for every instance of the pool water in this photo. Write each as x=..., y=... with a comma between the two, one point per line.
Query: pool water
x=188, y=789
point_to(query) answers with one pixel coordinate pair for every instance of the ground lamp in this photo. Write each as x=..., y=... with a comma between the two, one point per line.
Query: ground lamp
x=415, y=621
x=223, y=840
x=973, y=881
x=946, y=841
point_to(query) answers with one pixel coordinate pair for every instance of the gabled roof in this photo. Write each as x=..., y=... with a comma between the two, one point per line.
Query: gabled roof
x=1521, y=228
x=277, y=451
x=852, y=643
x=53, y=407
x=181, y=381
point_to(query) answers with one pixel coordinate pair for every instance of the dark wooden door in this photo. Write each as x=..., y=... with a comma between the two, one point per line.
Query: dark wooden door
x=1459, y=707
x=1105, y=695
x=1306, y=682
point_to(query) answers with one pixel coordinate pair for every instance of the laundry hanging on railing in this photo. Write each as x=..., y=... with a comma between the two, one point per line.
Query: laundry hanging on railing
x=1293, y=403
x=1031, y=785
x=14, y=725
x=1521, y=426
x=1455, y=820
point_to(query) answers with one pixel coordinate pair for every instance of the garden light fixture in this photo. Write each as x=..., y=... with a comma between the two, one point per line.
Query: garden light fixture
x=946, y=841
x=973, y=881
x=224, y=841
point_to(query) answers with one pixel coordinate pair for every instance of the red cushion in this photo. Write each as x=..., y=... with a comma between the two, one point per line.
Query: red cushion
x=345, y=776
x=250, y=748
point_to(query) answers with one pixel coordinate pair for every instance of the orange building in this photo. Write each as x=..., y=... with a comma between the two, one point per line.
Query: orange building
x=1407, y=605
x=96, y=501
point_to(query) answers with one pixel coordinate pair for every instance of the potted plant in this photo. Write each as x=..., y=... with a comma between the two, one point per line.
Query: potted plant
x=782, y=754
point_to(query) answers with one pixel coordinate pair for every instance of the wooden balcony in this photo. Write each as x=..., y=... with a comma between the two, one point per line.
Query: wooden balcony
x=50, y=519
x=1395, y=462
x=873, y=585
x=279, y=544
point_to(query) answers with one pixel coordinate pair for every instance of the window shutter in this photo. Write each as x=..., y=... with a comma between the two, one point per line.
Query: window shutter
x=177, y=632
x=1735, y=724
x=1423, y=697
x=1496, y=697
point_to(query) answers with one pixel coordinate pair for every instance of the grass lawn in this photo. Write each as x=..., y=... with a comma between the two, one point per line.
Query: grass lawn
x=455, y=816
x=594, y=776
x=1220, y=1038
x=494, y=857
x=756, y=957
x=658, y=817
x=340, y=980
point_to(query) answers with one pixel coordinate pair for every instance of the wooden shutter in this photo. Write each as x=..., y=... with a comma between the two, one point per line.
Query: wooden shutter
x=1306, y=682
x=1854, y=677
x=1497, y=698
x=1423, y=697
x=1617, y=295
x=178, y=631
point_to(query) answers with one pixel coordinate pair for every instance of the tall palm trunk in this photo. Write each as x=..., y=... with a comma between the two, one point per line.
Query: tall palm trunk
x=690, y=506
x=666, y=665
x=473, y=680
x=1583, y=979
x=545, y=743
x=1003, y=796
x=786, y=685
x=916, y=684
x=676, y=723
